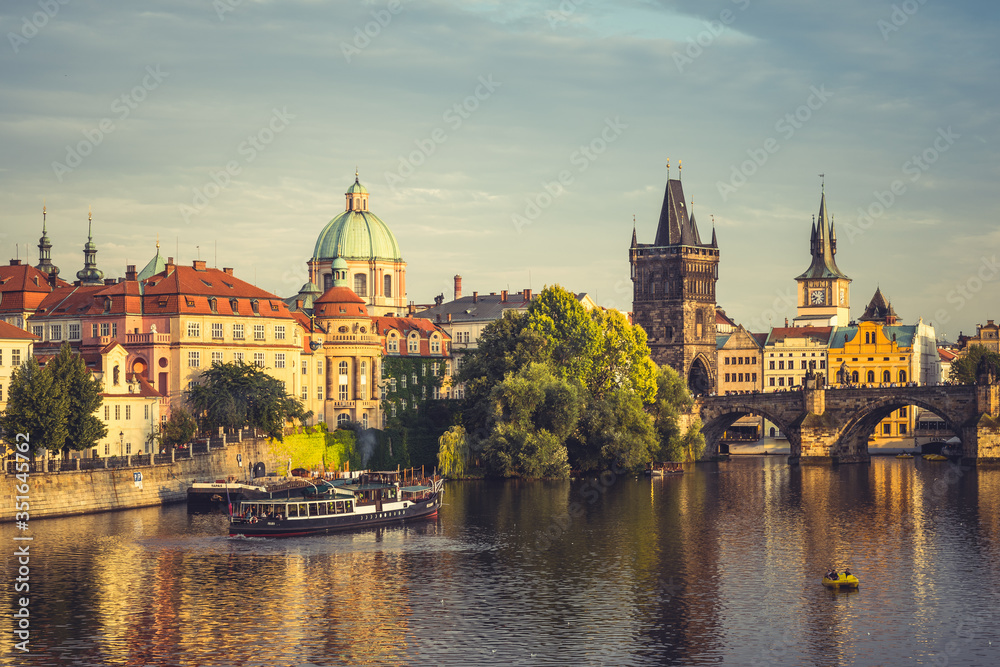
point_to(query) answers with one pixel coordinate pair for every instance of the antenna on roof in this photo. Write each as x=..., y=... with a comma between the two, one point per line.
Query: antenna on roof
x=216, y=261
x=198, y=248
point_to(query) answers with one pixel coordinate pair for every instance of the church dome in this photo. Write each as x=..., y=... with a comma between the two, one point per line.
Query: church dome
x=357, y=233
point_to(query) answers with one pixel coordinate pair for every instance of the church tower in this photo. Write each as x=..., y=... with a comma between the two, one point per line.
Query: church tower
x=90, y=274
x=45, y=264
x=673, y=292
x=824, y=292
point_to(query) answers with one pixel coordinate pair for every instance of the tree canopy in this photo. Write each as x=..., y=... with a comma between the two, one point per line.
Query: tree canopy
x=963, y=369
x=559, y=387
x=83, y=393
x=36, y=406
x=239, y=395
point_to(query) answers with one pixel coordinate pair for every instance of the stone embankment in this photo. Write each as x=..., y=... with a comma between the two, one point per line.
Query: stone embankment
x=70, y=492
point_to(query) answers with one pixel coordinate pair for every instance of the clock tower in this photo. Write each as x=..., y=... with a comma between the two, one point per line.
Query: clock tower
x=824, y=292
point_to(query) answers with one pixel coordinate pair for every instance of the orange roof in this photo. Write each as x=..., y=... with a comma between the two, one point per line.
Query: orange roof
x=406, y=325
x=9, y=331
x=23, y=287
x=946, y=355
x=195, y=289
x=339, y=302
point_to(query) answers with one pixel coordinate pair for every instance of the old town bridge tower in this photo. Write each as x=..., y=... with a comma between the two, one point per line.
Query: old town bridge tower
x=673, y=292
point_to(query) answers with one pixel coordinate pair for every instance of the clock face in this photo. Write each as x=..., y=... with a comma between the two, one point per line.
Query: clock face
x=817, y=297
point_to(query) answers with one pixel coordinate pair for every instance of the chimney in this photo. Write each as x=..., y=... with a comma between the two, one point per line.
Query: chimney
x=52, y=279
x=527, y=295
x=110, y=281
x=449, y=318
x=199, y=265
x=130, y=273
x=15, y=262
x=170, y=266
x=786, y=322
x=458, y=287
x=475, y=297
x=503, y=296
x=228, y=270
x=437, y=317
x=410, y=309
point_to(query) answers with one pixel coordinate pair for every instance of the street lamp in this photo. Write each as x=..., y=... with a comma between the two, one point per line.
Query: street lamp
x=121, y=442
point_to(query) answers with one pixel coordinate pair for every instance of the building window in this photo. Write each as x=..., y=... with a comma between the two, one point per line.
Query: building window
x=216, y=357
x=118, y=413
x=319, y=393
x=902, y=377
x=55, y=332
x=360, y=284
x=822, y=364
x=402, y=403
x=38, y=330
x=727, y=377
x=402, y=382
x=194, y=359
x=387, y=285
x=871, y=377
x=393, y=343
x=305, y=368
x=393, y=406
x=753, y=377
x=902, y=429
x=237, y=332
x=128, y=448
x=781, y=382
x=392, y=383
x=343, y=418
x=279, y=332
x=74, y=332
x=854, y=377
x=886, y=429
x=217, y=330
x=145, y=412
x=15, y=357
x=413, y=345
x=343, y=392
x=128, y=412
x=93, y=330
x=238, y=357
x=279, y=359
x=902, y=413
x=364, y=420
x=194, y=329
x=258, y=332
x=781, y=365
x=319, y=366
x=435, y=345
x=413, y=378
x=305, y=392
x=771, y=365
x=804, y=366
x=107, y=413
x=105, y=329
x=364, y=372
x=258, y=359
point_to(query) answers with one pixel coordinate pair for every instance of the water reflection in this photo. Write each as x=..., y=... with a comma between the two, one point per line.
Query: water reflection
x=719, y=565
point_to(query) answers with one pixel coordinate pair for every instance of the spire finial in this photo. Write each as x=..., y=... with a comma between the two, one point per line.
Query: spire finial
x=157, y=243
x=668, y=169
x=356, y=173
x=43, y=217
x=680, y=167
x=822, y=183
x=90, y=222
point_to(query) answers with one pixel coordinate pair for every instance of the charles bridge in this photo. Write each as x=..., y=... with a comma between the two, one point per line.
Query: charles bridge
x=832, y=424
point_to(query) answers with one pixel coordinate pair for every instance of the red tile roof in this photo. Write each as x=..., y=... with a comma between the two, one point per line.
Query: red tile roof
x=406, y=325
x=23, y=287
x=188, y=290
x=946, y=355
x=9, y=331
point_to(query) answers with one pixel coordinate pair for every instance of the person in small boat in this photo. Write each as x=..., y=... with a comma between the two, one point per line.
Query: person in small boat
x=831, y=574
x=847, y=573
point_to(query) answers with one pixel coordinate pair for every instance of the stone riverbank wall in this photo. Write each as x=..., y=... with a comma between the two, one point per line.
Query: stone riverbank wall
x=69, y=492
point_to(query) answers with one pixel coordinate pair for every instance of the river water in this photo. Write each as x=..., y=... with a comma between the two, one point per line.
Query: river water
x=721, y=565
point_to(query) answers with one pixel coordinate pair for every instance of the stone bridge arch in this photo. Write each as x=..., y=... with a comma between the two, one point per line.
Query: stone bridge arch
x=853, y=437
x=717, y=416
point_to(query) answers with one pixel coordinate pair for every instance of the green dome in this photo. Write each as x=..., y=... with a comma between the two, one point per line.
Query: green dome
x=357, y=235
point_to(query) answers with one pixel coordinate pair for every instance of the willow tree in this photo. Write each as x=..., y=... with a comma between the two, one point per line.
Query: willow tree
x=453, y=452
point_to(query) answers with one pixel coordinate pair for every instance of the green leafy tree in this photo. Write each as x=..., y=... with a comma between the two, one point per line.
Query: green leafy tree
x=572, y=337
x=453, y=452
x=239, y=395
x=616, y=429
x=180, y=428
x=672, y=399
x=621, y=359
x=83, y=394
x=689, y=446
x=963, y=369
x=37, y=407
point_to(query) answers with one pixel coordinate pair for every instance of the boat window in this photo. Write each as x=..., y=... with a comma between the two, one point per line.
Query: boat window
x=313, y=509
x=303, y=510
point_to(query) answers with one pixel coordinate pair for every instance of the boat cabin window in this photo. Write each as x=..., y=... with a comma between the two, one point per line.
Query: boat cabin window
x=293, y=510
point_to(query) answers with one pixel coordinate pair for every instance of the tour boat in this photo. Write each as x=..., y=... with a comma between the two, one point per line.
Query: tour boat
x=904, y=455
x=849, y=581
x=935, y=457
x=374, y=498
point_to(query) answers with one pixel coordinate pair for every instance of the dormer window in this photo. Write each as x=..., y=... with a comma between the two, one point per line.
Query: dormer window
x=255, y=307
x=213, y=304
x=234, y=305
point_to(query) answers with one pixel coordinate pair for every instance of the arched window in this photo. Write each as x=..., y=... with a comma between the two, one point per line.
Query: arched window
x=854, y=377
x=772, y=431
x=867, y=338
x=387, y=288
x=902, y=376
x=327, y=281
x=343, y=368
x=343, y=418
x=360, y=284
x=871, y=377
x=886, y=376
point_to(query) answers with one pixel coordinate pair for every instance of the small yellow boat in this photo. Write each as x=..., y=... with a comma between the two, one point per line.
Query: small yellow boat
x=849, y=581
x=935, y=457
x=904, y=455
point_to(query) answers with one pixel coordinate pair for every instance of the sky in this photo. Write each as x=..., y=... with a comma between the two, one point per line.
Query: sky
x=515, y=142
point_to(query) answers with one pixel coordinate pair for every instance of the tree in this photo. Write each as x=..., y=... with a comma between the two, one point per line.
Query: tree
x=36, y=406
x=83, y=393
x=963, y=370
x=571, y=335
x=673, y=398
x=239, y=395
x=453, y=452
x=180, y=428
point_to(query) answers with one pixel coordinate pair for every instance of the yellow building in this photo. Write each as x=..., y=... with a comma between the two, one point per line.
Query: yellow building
x=131, y=407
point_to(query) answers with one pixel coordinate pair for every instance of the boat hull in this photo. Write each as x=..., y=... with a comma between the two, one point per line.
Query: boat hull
x=297, y=527
x=842, y=582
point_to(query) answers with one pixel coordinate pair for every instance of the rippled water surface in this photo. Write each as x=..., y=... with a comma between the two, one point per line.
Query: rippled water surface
x=720, y=565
